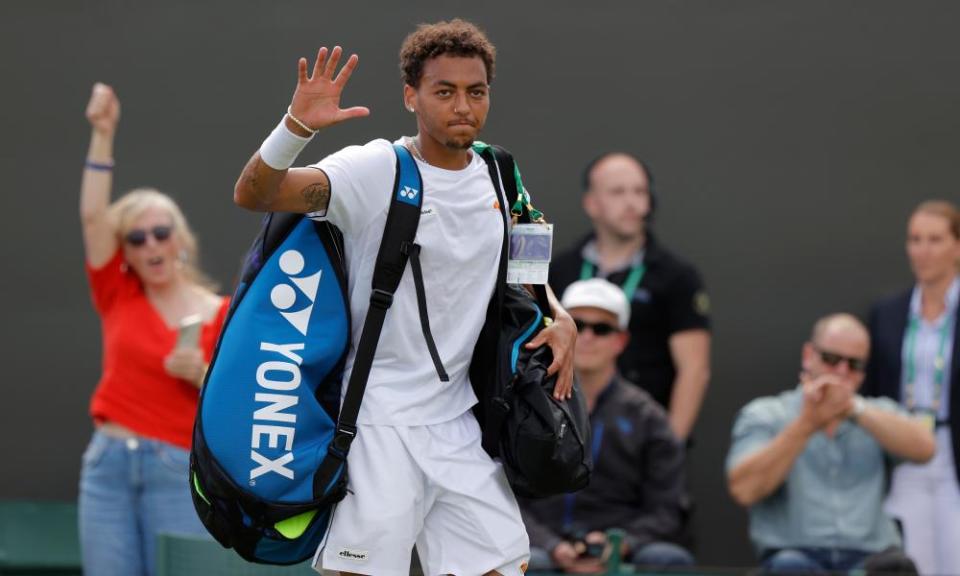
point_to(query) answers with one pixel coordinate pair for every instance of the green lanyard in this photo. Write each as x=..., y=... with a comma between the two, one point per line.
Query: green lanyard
x=938, y=363
x=629, y=285
x=523, y=197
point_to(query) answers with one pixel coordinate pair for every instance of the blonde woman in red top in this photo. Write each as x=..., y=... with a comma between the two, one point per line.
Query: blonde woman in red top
x=160, y=320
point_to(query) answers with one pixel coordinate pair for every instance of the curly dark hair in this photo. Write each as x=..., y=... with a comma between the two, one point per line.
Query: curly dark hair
x=456, y=37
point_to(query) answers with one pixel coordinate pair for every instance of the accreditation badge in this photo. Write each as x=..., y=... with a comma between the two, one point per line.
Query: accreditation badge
x=531, y=249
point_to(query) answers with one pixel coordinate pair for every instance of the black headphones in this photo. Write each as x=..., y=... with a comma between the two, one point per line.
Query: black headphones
x=588, y=170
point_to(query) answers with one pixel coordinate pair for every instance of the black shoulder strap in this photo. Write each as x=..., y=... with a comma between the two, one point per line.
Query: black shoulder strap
x=399, y=232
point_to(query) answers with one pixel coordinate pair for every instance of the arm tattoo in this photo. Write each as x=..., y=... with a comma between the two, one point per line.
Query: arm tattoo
x=251, y=179
x=316, y=196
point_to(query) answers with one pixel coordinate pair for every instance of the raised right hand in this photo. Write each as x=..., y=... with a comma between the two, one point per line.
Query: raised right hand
x=103, y=110
x=316, y=102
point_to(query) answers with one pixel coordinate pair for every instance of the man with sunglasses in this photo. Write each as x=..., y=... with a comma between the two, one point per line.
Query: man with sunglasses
x=810, y=463
x=637, y=483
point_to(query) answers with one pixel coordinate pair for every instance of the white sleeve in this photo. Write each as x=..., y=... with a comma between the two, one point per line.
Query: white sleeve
x=361, y=184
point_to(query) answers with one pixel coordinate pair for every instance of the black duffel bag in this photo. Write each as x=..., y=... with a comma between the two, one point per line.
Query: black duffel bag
x=543, y=443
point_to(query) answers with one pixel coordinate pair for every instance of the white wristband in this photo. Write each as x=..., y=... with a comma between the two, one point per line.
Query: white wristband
x=282, y=147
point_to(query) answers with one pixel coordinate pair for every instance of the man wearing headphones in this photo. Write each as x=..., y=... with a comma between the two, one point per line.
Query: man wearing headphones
x=669, y=350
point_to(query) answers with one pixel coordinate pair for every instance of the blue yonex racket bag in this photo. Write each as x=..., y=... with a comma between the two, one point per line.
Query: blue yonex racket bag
x=271, y=438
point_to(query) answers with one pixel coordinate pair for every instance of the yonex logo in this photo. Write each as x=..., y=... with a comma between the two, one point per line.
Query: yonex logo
x=274, y=420
x=275, y=376
x=409, y=193
x=283, y=295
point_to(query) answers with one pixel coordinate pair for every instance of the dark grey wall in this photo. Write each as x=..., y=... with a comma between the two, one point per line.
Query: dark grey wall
x=790, y=140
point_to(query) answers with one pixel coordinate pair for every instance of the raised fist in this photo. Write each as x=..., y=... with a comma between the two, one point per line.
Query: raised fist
x=103, y=110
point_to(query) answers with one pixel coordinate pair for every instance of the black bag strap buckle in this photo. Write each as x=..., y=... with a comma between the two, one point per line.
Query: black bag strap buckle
x=381, y=299
x=344, y=437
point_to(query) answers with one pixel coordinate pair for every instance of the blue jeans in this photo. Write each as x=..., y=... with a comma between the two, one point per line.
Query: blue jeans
x=662, y=554
x=655, y=554
x=131, y=490
x=813, y=560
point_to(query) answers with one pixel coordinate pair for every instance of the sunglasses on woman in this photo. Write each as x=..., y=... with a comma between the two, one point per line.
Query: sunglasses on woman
x=598, y=328
x=833, y=359
x=138, y=236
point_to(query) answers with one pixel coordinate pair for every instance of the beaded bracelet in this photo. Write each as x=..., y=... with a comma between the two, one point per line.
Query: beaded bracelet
x=299, y=123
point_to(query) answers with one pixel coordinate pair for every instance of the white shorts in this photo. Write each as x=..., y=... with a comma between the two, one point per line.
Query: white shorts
x=433, y=486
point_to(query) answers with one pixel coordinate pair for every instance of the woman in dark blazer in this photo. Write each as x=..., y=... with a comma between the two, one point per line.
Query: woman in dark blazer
x=915, y=359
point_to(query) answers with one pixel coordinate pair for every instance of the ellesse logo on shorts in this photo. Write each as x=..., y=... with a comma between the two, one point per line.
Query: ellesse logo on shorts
x=355, y=555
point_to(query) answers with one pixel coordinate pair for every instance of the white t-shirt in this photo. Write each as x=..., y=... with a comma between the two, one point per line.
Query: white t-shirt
x=461, y=235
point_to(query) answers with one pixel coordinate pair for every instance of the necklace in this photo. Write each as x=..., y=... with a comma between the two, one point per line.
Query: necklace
x=414, y=146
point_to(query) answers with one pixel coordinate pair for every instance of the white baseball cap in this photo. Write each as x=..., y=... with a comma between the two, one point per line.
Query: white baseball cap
x=598, y=293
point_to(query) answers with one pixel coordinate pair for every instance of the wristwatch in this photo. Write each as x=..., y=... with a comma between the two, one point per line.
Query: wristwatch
x=859, y=405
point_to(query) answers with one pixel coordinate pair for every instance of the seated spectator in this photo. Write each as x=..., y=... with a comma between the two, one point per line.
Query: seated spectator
x=637, y=483
x=810, y=462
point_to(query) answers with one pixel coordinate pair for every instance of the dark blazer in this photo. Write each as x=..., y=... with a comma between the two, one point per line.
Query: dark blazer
x=888, y=324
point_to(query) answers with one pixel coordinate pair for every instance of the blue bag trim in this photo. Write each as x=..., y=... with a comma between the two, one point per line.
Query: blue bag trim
x=334, y=480
x=515, y=354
